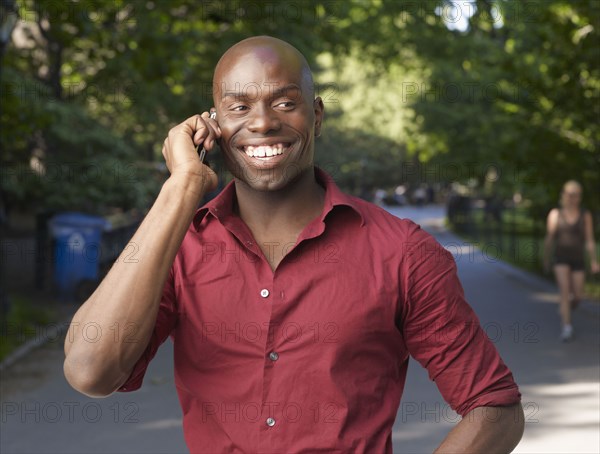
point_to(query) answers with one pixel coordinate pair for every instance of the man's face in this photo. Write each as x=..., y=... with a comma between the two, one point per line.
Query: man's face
x=268, y=118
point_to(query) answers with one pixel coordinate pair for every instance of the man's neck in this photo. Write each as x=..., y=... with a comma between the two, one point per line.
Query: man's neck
x=289, y=209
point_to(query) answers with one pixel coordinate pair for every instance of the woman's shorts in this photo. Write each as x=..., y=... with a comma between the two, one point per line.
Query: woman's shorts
x=573, y=263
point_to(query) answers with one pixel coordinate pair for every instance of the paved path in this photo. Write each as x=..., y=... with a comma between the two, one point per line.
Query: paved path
x=559, y=382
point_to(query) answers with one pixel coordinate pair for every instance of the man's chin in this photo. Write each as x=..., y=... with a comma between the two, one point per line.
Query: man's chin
x=269, y=180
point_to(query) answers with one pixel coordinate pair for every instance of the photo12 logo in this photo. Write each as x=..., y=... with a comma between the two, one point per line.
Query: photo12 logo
x=36, y=412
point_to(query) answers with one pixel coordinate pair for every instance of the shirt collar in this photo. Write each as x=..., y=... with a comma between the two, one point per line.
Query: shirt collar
x=221, y=206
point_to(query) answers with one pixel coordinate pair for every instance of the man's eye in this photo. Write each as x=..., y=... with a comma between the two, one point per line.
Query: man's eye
x=285, y=104
x=239, y=108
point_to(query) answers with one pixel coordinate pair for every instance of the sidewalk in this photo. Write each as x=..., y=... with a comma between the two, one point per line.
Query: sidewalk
x=560, y=383
x=41, y=413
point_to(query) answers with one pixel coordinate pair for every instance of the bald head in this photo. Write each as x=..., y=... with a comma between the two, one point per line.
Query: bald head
x=267, y=113
x=268, y=51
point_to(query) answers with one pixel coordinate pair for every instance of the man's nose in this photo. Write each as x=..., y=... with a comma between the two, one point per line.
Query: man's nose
x=263, y=119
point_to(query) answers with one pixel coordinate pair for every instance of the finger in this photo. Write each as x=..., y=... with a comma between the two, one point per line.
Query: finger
x=213, y=123
x=200, y=131
x=205, y=136
x=212, y=138
x=204, y=128
x=193, y=127
x=213, y=130
x=200, y=135
x=192, y=124
x=183, y=133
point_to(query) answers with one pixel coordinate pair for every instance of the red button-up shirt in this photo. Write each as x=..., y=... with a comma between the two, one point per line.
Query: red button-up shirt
x=313, y=357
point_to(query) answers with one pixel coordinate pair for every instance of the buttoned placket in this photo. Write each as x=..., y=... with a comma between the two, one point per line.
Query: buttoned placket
x=273, y=293
x=271, y=357
x=264, y=297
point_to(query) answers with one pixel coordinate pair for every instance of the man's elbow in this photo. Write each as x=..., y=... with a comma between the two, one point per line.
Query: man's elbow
x=90, y=382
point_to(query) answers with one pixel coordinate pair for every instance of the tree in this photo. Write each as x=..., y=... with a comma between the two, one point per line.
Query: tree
x=460, y=86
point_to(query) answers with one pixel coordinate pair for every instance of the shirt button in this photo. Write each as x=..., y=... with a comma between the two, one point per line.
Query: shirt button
x=270, y=422
x=273, y=356
x=249, y=243
x=264, y=293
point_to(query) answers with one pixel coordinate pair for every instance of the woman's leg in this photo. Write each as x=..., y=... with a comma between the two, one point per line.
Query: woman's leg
x=577, y=284
x=563, y=279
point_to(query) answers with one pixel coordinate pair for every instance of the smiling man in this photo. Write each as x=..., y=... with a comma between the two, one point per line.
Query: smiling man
x=293, y=307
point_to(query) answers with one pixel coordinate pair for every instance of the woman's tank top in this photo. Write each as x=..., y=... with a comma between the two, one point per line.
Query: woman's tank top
x=570, y=238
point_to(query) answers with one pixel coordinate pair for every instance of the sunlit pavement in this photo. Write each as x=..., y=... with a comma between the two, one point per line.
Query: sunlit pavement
x=560, y=383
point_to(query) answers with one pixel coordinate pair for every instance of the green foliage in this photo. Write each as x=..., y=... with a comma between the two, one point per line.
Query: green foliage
x=75, y=163
x=359, y=161
x=522, y=94
x=91, y=89
x=22, y=322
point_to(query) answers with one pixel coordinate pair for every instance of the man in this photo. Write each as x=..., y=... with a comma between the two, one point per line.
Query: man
x=292, y=307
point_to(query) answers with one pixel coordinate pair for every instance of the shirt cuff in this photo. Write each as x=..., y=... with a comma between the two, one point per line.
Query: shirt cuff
x=500, y=398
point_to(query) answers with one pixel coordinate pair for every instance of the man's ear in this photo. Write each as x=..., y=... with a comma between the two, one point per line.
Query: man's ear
x=319, y=110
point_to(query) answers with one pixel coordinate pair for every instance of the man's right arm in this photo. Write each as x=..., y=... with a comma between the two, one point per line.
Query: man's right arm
x=129, y=295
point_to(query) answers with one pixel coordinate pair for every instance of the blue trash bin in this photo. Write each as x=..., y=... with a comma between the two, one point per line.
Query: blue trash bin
x=77, y=250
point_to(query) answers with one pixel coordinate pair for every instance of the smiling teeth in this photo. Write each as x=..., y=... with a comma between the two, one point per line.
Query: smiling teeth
x=263, y=151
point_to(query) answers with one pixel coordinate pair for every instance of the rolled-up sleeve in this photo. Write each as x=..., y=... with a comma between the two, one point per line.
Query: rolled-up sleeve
x=444, y=335
x=165, y=322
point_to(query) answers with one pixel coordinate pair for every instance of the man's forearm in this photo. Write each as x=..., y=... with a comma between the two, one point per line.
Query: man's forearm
x=127, y=300
x=486, y=430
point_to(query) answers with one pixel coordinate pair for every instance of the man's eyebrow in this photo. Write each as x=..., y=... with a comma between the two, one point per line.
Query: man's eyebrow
x=251, y=91
x=234, y=94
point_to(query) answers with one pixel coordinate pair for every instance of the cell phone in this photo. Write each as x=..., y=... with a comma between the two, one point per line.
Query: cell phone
x=202, y=152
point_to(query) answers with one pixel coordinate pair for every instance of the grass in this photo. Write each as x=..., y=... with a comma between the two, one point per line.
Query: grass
x=23, y=321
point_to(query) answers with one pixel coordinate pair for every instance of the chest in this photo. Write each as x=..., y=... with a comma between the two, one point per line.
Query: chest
x=275, y=247
x=326, y=294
